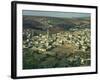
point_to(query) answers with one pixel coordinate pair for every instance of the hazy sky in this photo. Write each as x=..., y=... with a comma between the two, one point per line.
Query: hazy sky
x=55, y=14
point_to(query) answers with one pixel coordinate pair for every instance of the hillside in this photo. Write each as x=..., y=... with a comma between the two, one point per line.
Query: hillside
x=50, y=42
x=42, y=23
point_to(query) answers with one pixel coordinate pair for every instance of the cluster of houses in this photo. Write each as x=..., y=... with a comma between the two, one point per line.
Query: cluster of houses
x=44, y=42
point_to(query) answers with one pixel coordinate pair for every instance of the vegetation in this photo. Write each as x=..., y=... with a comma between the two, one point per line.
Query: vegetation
x=68, y=46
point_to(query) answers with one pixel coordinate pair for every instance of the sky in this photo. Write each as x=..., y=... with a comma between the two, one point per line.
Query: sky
x=55, y=14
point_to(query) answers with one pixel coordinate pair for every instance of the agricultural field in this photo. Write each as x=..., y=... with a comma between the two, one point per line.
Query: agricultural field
x=50, y=42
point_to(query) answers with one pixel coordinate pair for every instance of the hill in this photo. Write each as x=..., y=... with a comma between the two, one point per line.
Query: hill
x=53, y=23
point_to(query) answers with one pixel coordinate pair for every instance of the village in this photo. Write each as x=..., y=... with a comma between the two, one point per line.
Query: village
x=79, y=39
x=72, y=46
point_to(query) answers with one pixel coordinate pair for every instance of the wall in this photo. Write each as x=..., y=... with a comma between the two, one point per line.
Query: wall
x=5, y=37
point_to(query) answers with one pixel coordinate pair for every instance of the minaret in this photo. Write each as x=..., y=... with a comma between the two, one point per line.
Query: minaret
x=48, y=25
x=47, y=37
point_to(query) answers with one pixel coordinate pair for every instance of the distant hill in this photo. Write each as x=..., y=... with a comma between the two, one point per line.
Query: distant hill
x=58, y=24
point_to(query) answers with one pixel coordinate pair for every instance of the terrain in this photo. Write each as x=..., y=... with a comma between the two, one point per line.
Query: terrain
x=50, y=42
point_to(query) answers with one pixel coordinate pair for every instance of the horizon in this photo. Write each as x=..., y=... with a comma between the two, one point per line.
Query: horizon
x=55, y=14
